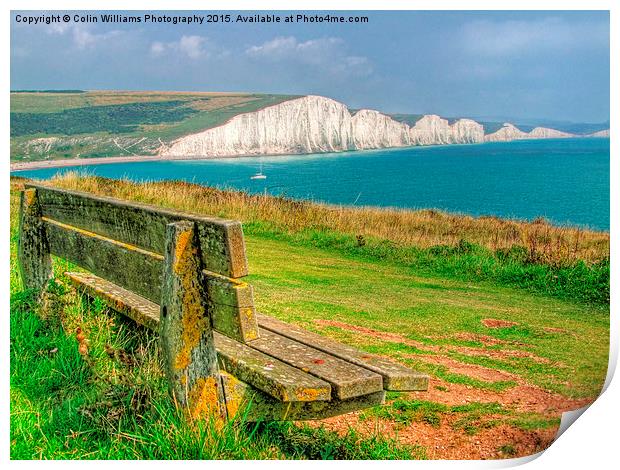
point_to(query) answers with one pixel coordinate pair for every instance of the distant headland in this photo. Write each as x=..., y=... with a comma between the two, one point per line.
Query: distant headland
x=63, y=128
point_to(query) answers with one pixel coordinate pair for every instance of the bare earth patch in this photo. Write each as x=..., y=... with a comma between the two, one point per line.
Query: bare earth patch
x=554, y=330
x=484, y=339
x=502, y=440
x=470, y=351
x=501, y=354
x=522, y=397
x=494, y=323
x=444, y=442
x=383, y=335
x=472, y=370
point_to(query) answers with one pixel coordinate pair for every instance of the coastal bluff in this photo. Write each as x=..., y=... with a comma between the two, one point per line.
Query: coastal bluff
x=316, y=124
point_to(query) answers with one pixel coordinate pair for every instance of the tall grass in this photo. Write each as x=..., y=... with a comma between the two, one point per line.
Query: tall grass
x=542, y=242
x=112, y=403
x=565, y=262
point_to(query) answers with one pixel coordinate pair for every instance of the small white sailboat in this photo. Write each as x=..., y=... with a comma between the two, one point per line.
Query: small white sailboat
x=259, y=175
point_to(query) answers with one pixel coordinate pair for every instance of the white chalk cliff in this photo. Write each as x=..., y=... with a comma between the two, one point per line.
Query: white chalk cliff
x=546, y=133
x=315, y=124
x=510, y=132
x=604, y=133
x=432, y=130
x=506, y=133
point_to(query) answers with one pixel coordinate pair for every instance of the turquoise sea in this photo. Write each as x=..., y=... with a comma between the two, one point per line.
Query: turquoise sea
x=564, y=180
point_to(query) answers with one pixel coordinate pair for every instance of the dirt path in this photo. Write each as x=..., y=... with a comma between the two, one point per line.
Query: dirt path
x=500, y=440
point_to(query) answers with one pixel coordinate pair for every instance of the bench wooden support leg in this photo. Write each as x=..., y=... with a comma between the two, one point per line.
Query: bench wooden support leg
x=186, y=329
x=33, y=254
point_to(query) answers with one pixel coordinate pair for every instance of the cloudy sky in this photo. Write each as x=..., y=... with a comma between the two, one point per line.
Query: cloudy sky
x=518, y=65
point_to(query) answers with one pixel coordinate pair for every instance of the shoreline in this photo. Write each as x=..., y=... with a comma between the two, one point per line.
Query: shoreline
x=79, y=162
x=69, y=162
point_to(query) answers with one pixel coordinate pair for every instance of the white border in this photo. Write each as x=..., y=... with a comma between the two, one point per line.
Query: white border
x=591, y=443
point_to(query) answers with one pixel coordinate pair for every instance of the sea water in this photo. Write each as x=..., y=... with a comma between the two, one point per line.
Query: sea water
x=563, y=180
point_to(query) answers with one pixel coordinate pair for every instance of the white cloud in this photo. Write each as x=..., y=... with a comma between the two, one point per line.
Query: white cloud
x=330, y=54
x=158, y=48
x=191, y=46
x=194, y=47
x=82, y=37
x=517, y=37
x=58, y=28
x=278, y=48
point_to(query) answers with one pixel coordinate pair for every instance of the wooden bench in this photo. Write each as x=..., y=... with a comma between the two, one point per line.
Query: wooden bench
x=180, y=274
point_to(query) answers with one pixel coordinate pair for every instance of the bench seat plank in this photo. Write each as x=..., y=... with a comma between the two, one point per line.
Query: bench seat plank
x=279, y=380
x=253, y=405
x=130, y=304
x=347, y=380
x=395, y=376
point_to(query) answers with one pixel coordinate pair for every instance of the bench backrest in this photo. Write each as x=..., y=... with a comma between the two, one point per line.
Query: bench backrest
x=124, y=243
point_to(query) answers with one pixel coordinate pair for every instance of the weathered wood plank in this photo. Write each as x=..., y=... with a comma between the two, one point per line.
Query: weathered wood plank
x=33, y=255
x=395, y=376
x=232, y=307
x=264, y=372
x=222, y=247
x=231, y=301
x=268, y=374
x=128, y=303
x=254, y=405
x=347, y=380
x=186, y=333
x=126, y=265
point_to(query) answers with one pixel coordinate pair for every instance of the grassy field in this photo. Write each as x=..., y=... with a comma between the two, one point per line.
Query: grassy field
x=52, y=125
x=505, y=356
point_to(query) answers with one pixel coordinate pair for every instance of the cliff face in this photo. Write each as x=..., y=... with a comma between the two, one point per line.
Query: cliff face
x=506, y=133
x=510, y=132
x=373, y=130
x=315, y=124
x=306, y=125
x=467, y=131
x=604, y=133
x=546, y=133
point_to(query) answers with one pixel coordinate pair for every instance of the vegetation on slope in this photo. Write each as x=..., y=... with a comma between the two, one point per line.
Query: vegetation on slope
x=87, y=383
x=115, y=119
x=48, y=125
x=564, y=262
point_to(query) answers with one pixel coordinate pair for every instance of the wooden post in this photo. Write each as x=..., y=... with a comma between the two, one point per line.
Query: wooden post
x=185, y=326
x=33, y=254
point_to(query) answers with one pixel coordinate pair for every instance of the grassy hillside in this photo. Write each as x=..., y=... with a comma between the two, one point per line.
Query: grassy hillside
x=505, y=354
x=72, y=124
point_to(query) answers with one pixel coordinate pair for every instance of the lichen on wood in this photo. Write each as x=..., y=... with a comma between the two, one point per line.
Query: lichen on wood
x=34, y=253
x=185, y=326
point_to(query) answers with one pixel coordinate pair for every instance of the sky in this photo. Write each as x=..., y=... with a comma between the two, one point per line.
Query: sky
x=550, y=65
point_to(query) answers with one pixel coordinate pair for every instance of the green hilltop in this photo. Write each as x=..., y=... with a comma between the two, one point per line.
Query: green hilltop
x=58, y=124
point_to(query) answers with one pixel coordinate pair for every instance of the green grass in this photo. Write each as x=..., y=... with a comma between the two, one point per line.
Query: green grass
x=112, y=403
x=588, y=283
x=469, y=418
x=89, y=124
x=389, y=297
x=114, y=119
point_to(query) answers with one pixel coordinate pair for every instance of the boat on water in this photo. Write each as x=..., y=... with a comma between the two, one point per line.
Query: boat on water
x=260, y=175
